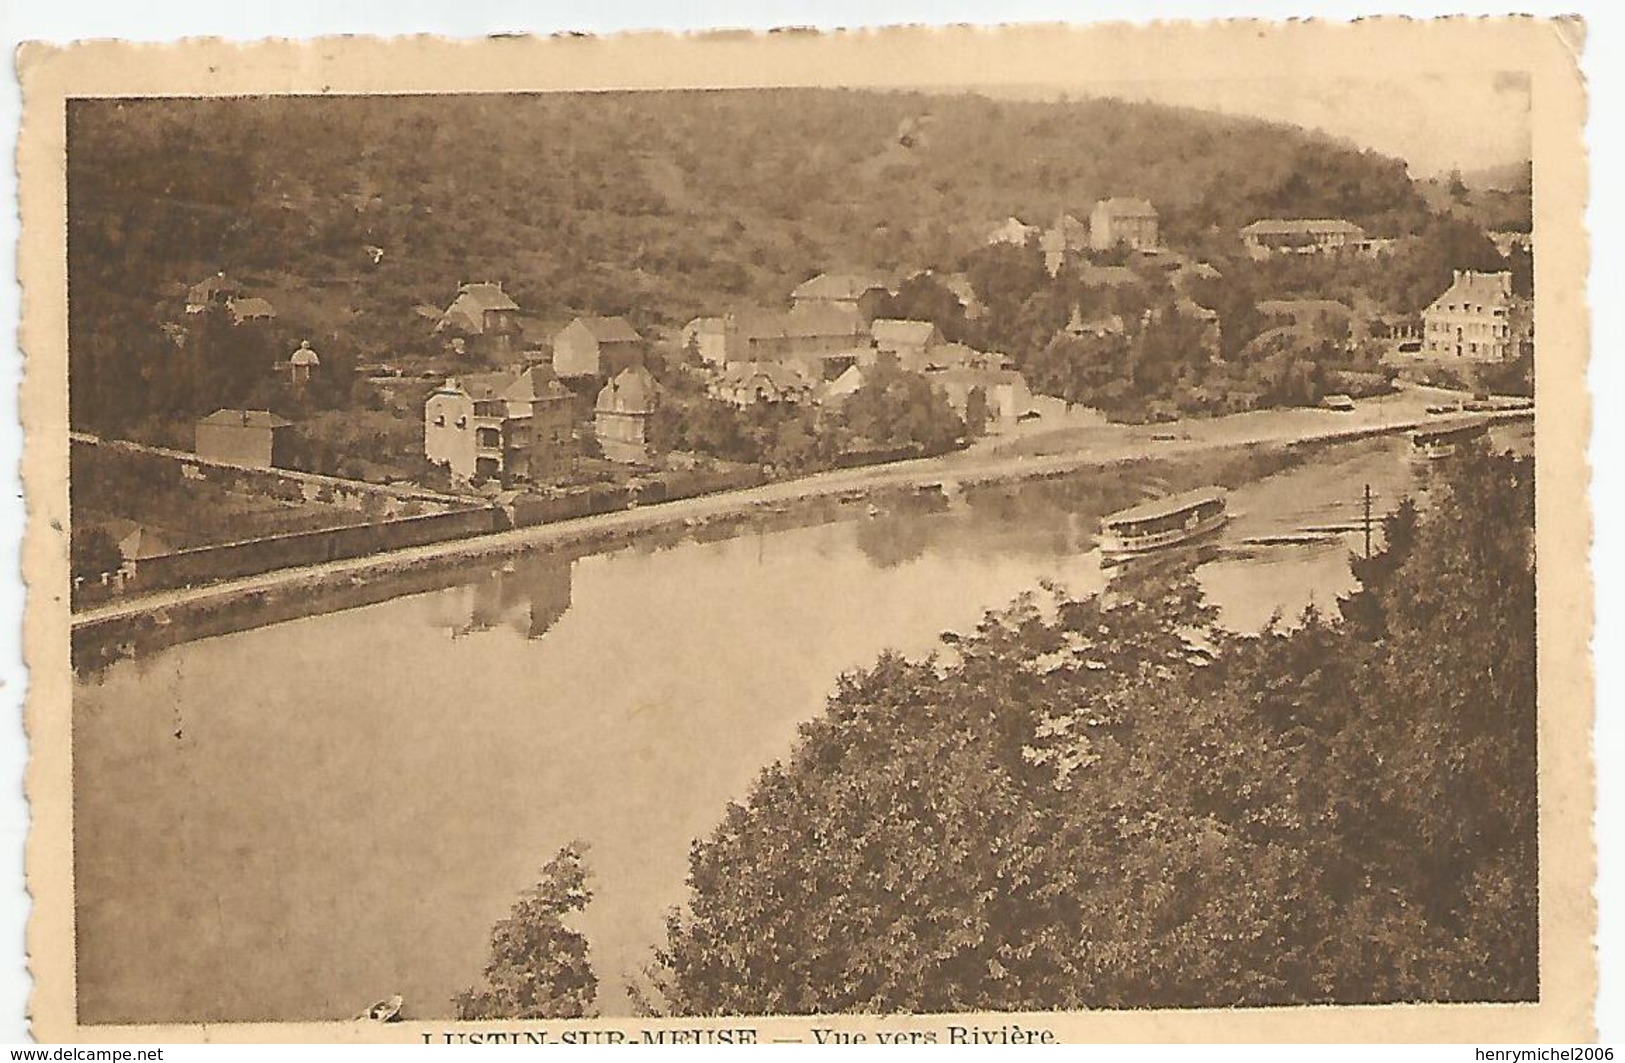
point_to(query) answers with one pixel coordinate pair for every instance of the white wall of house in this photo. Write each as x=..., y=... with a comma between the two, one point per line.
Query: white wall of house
x=448, y=432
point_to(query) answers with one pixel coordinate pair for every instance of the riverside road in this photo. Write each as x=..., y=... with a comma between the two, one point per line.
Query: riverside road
x=1034, y=452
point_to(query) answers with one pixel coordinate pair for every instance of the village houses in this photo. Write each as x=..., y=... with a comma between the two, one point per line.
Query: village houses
x=596, y=347
x=842, y=291
x=824, y=340
x=1123, y=221
x=1004, y=393
x=910, y=342
x=255, y=438
x=1063, y=242
x=482, y=319
x=1301, y=236
x=220, y=292
x=1477, y=319
x=745, y=384
x=621, y=415
x=212, y=292
x=252, y=308
x=1012, y=230
x=508, y=425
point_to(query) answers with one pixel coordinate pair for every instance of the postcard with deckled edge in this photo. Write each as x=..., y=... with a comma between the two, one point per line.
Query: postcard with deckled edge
x=976, y=535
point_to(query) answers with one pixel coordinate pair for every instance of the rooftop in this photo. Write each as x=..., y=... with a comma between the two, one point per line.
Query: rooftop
x=780, y=375
x=1293, y=226
x=251, y=308
x=632, y=390
x=1470, y=286
x=801, y=322
x=609, y=329
x=1127, y=207
x=902, y=332
x=245, y=419
x=471, y=304
x=1163, y=507
x=837, y=286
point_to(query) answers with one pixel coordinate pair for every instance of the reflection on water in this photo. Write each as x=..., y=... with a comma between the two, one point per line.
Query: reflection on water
x=529, y=594
x=290, y=822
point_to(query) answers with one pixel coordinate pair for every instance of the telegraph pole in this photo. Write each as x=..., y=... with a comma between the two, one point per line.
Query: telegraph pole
x=1368, y=522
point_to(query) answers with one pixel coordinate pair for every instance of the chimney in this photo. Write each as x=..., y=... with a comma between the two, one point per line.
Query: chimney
x=1506, y=282
x=1456, y=276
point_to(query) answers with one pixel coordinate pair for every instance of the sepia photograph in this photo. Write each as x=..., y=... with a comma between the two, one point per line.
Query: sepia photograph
x=782, y=534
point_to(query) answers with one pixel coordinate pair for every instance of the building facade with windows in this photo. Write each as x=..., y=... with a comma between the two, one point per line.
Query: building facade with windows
x=1128, y=222
x=500, y=426
x=1477, y=319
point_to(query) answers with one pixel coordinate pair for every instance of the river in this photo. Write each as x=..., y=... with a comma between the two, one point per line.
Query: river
x=290, y=822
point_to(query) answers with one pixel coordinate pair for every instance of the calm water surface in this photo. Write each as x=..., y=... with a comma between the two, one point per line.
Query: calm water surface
x=291, y=822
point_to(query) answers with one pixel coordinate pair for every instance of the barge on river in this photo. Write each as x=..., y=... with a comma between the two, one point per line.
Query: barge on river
x=1432, y=444
x=1162, y=523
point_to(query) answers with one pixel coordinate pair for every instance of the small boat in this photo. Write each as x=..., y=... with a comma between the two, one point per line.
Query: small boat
x=1163, y=522
x=1434, y=444
x=384, y=1011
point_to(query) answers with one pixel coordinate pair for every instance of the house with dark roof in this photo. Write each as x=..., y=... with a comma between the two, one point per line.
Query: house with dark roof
x=255, y=438
x=596, y=347
x=865, y=294
x=621, y=415
x=483, y=317
x=507, y=426
x=1125, y=221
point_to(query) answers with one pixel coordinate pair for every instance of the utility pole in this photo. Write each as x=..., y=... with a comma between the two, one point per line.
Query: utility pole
x=1368, y=522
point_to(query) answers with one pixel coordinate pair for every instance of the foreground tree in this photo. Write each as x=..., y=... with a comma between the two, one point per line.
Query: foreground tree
x=1111, y=803
x=539, y=967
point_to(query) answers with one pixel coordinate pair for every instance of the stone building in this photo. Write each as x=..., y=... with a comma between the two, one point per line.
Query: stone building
x=507, y=426
x=621, y=415
x=1123, y=221
x=1477, y=319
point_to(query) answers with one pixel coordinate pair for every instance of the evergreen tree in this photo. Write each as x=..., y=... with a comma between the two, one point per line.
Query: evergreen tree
x=539, y=967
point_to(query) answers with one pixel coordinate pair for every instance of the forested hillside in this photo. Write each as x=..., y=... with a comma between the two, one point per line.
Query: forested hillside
x=347, y=213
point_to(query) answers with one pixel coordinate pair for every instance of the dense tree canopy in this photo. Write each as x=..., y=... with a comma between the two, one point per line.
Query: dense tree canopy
x=539, y=967
x=1111, y=803
x=347, y=213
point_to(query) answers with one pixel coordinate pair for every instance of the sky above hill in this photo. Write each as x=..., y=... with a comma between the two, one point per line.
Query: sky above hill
x=1435, y=122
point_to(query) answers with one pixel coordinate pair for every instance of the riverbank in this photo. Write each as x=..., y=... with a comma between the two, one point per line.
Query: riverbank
x=621, y=698
x=175, y=616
